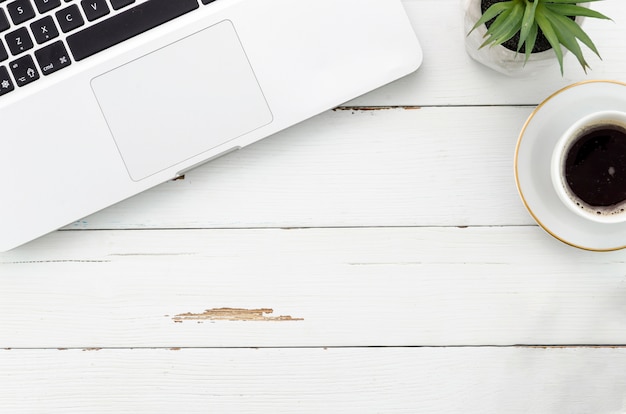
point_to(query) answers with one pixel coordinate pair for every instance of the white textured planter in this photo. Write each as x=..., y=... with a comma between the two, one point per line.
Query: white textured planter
x=498, y=57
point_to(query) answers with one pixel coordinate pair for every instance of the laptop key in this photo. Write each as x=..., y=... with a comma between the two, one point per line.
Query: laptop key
x=69, y=18
x=44, y=29
x=118, y=4
x=45, y=6
x=24, y=70
x=19, y=41
x=6, y=85
x=3, y=53
x=94, y=9
x=4, y=22
x=20, y=11
x=125, y=25
x=52, y=58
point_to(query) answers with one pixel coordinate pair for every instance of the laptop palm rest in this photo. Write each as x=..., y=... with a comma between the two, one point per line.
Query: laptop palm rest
x=181, y=100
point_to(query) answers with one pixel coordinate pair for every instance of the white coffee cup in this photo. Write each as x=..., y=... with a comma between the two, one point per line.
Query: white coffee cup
x=587, y=139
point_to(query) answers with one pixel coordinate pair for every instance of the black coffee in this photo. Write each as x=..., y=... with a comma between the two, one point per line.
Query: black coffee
x=595, y=166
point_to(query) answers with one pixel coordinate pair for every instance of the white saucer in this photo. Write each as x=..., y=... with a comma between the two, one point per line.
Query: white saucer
x=532, y=163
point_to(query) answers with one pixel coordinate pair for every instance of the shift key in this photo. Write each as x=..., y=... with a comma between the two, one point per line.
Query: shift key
x=125, y=25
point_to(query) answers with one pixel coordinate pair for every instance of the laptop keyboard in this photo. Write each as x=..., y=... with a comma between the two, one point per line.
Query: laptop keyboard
x=40, y=37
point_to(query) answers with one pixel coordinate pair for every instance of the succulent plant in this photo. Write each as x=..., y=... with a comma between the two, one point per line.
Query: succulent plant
x=528, y=18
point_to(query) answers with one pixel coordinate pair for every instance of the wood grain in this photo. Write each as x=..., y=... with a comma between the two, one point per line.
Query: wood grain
x=367, y=380
x=377, y=256
x=389, y=167
x=346, y=287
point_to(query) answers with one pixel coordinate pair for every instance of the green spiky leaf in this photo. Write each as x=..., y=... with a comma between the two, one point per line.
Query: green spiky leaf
x=509, y=26
x=530, y=41
x=549, y=33
x=569, y=1
x=566, y=37
x=553, y=18
x=527, y=23
x=577, y=31
x=573, y=10
x=491, y=13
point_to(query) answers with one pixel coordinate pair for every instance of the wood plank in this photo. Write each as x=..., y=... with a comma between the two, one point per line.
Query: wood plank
x=325, y=287
x=393, y=167
x=449, y=76
x=408, y=380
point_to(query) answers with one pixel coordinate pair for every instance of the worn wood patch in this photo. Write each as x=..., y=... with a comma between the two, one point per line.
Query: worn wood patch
x=233, y=314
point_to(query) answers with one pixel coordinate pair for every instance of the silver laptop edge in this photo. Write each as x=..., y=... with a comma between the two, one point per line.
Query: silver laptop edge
x=213, y=80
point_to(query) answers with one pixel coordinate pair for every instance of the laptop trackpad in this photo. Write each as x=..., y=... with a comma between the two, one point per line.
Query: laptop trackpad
x=181, y=100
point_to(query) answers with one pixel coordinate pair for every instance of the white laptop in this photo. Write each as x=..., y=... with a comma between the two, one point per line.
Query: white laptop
x=103, y=99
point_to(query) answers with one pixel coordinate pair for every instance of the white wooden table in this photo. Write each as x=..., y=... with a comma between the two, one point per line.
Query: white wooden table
x=375, y=259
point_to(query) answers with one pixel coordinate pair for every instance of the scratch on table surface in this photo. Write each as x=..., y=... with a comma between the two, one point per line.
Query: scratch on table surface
x=386, y=263
x=234, y=314
x=574, y=346
x=55, y=261
x=437, y=263
x=374, y=108
x=165, y=254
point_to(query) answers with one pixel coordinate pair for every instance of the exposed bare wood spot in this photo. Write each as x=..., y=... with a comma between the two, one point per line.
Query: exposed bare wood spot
x=233, y=314
x=179, y=178
x=175, y=349
x=374, y=108
x=92, y=349
x=61, y=349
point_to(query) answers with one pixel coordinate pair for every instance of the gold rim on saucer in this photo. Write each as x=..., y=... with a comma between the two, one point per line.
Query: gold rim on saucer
x=517, y=182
